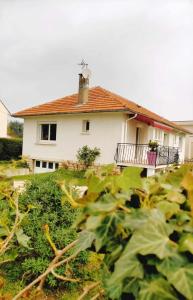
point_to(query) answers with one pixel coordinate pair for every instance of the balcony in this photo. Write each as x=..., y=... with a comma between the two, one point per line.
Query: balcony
x=131, y=154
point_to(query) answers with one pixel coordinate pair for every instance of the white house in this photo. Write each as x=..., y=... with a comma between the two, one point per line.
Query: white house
x=3, y=119
x=189, y=138
x=54, y=131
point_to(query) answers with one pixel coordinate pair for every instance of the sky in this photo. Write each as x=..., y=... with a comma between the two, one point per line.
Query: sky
x=140, y=49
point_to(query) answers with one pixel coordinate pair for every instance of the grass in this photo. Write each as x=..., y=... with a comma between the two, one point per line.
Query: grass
x=60, y=174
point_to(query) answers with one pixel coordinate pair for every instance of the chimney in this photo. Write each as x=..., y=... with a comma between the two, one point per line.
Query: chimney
x=83, y=88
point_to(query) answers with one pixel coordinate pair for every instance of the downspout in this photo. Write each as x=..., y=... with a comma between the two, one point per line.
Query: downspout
x=125, y=135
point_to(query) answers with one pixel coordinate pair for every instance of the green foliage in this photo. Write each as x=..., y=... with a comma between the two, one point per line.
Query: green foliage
x=153, y=145
x=10, y=148
x=144, y=228
x=44, y=195
x=11, y=232
x=15, y=129
x=87, y=156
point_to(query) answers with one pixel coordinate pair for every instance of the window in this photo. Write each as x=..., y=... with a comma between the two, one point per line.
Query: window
x=85, y=126
x=158, y=135
x=56, y=166
x=50, y=165
x=44, y=164
x=38, y=163
x=48, y=132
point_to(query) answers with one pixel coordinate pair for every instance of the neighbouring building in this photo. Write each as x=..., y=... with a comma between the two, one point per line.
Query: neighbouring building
x=4, y=113
x=189, y=138
x=122, y=129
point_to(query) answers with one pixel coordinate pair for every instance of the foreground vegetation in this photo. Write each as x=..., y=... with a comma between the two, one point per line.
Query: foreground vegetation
x=126, y=238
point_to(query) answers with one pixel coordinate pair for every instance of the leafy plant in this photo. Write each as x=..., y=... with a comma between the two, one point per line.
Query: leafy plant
x=49, y=211
x=153, y=145
x=11, y=232
x=145, y=230
x=87, y=156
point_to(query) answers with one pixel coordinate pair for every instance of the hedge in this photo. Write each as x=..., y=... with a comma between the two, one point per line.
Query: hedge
x=10, y=148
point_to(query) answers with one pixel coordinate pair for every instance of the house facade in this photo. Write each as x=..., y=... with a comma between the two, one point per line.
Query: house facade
x=189, y=138
x=3, y=120
x=54, y=131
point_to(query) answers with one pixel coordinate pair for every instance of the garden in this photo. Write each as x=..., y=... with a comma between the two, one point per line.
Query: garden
x=124, y=238
x=96, y=233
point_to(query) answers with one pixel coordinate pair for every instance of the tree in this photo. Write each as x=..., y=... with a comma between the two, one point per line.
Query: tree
x=87, y=156
x=15, y=129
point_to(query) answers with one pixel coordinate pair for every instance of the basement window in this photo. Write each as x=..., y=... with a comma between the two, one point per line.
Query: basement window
x=85, y=126
x=48, y=132
x=50, y=165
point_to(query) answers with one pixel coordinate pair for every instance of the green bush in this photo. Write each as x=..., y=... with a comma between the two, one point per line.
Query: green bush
x=87, y=156
x=10, y=148
x=44, y=196
x=145, y=230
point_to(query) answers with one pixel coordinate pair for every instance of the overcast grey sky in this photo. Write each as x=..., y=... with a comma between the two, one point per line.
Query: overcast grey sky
x=141, y=49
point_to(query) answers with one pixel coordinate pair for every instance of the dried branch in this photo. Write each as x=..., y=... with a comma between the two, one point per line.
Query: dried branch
x=60, y=253
x=87, y=289
x=64, y=278
x=50, y=268
x=96, y=296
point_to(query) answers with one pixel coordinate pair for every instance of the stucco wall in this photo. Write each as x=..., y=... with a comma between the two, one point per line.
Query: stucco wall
x=106, y=130
x=189, y=138
x=3, y=120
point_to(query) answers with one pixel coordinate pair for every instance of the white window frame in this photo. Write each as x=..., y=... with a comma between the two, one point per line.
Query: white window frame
x=158, y=135
x=175, y=140
x=84, y=125
x=39, y=133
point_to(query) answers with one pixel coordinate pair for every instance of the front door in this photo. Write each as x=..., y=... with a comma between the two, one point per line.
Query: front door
x=138, y=135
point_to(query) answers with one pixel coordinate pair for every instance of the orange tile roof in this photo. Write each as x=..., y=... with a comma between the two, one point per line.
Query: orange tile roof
x=100, y=100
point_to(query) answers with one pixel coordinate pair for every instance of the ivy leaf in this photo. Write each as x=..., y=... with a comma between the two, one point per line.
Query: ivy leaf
x=126, y=266
x=175, y=196
x=136, y=219
x=102, y=232
x=187, y=181
x=93, y=222
x=85, y=240
x=115, y=291
x=179, y=274
x=131, y=286
x=168, y=209
x=101, y=207
x=158, y=289
x=130, y=178
x=7, y=257
x=152, y=239
x=186, y=243
x=22, y=238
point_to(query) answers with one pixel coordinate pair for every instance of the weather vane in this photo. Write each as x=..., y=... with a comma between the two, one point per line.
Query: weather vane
x=83, y=64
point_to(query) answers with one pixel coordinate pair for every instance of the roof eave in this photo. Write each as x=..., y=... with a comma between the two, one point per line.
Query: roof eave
x=68, y=113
